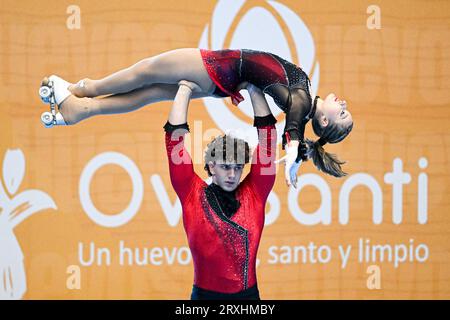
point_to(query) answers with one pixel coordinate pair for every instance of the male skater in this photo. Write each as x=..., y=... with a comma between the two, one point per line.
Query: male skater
x=224, y=220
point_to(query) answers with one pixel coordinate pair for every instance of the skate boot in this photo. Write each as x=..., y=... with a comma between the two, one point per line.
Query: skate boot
x=53, y=91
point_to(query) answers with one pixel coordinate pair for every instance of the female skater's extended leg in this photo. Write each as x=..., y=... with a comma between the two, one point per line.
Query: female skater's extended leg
x=76, y=109
x=168, y=67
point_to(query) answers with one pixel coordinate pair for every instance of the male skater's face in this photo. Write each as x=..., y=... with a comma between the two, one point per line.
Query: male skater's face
x=226, y=175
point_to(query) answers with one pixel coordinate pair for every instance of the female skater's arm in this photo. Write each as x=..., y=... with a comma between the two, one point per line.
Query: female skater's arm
x=296, y=110
x=295, y=102
x=182, y=173
x=297, y=105
x=263, y=170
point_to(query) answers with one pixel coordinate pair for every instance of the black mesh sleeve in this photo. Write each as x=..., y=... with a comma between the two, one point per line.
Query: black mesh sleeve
x=280, y=94
x=264, y=121
x=168, y=127
x=297, y=109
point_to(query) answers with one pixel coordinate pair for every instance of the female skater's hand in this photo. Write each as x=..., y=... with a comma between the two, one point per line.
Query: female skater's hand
x=291, y=167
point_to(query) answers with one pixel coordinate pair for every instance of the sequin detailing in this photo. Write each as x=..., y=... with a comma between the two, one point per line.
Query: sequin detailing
x=228, y=68
x=296, y=76
x=233, y=236
x=261, y=69
x=223, y=67
x=224, y=249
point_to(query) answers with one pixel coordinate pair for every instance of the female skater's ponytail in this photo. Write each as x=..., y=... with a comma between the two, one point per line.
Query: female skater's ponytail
x=324, y=161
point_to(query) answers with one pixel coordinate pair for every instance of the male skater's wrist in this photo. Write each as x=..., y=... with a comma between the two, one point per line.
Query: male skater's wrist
x=168, y=127
x=264, y=120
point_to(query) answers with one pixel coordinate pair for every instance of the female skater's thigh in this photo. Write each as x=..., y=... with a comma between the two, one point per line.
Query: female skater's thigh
x=180, y=64
x=164, y=92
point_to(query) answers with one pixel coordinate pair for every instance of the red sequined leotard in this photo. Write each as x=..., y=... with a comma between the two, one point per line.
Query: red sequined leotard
x=224, y=249
x=285, y=82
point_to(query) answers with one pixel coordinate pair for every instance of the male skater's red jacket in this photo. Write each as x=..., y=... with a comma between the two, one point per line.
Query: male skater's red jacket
x=224, y=249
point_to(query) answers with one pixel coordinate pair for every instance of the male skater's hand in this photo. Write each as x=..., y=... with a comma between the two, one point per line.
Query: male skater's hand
x=191, y=85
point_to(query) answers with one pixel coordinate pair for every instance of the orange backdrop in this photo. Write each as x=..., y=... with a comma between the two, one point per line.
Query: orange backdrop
x=394, y=80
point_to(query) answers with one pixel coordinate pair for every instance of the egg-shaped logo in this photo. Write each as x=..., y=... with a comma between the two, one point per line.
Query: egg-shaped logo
x=268, y=26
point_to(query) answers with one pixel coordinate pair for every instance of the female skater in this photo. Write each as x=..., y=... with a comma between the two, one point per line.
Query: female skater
x=219, y=74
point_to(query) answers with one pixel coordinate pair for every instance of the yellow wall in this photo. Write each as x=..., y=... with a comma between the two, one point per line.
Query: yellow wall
x=395, y=83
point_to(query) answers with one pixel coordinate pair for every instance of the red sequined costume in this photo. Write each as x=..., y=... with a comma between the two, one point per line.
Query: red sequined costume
x=285, y=82
x=224, y=249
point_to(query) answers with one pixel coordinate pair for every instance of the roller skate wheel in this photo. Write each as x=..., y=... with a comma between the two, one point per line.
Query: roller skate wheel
x=47, y=119
x=45, y=93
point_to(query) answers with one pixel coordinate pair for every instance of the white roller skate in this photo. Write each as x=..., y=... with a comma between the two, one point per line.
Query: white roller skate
x=53, y=91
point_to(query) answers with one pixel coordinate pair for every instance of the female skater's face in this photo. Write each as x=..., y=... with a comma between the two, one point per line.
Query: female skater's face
x=335, y=110
x=226, y=175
